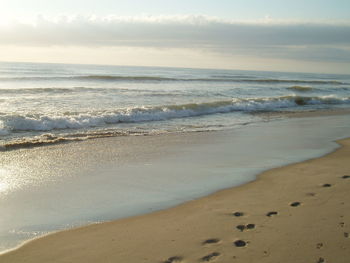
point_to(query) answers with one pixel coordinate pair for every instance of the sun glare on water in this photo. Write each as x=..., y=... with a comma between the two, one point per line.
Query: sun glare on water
x=4, y=185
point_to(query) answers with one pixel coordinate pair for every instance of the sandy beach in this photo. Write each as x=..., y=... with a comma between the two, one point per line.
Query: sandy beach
x=297, y=213
x=174, y=131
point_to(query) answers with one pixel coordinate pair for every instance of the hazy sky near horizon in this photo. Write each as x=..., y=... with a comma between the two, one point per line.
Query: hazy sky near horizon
x=299, y=35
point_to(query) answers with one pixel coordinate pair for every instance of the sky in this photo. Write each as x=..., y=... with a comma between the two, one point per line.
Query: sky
x=280, y=35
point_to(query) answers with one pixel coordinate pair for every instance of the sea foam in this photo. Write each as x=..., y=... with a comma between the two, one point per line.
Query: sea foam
x=46, y=122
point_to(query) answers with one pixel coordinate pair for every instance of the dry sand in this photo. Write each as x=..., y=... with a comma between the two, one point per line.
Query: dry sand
x=310, y=222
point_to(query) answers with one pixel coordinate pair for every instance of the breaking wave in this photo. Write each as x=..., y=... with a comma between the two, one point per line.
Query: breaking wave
x=38, y=122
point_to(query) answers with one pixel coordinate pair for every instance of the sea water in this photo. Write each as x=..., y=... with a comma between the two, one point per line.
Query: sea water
x=49, y=103
x=94, y=179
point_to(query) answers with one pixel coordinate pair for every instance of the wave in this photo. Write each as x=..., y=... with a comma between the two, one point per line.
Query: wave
x=56, y=90
x=286, y=81
x=49, y=139
x=91, y=77
x=114, y=78
x=301, y=88
x=33, y=142
x=140, y=78
x=42, y=90
x=73, y=90
x=42, y=122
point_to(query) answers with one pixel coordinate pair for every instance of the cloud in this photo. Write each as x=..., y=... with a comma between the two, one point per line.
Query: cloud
x=290, y=40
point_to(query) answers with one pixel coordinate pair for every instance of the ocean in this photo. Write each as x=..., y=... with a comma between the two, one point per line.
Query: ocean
x=50, y=103
x=82, y=144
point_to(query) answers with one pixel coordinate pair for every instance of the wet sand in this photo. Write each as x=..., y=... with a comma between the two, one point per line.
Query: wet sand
x=297, y=213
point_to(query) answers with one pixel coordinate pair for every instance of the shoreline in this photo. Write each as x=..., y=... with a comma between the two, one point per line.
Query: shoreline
x=303, y=114
x=205, y=229
x=19, y=144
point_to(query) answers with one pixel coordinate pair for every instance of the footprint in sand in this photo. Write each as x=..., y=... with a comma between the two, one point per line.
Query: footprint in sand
x=319, y=245
x=238, y=214
x=173, y=259
x=211, y=241
x=272, y=213
x=240, y=227
x=243, y=227
x=321, y=260
x=250, y=226
x=345, y=176
x=295, y=204
x=210, y=256
x=326, y=185
x=346, y=234
x=240, y=243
